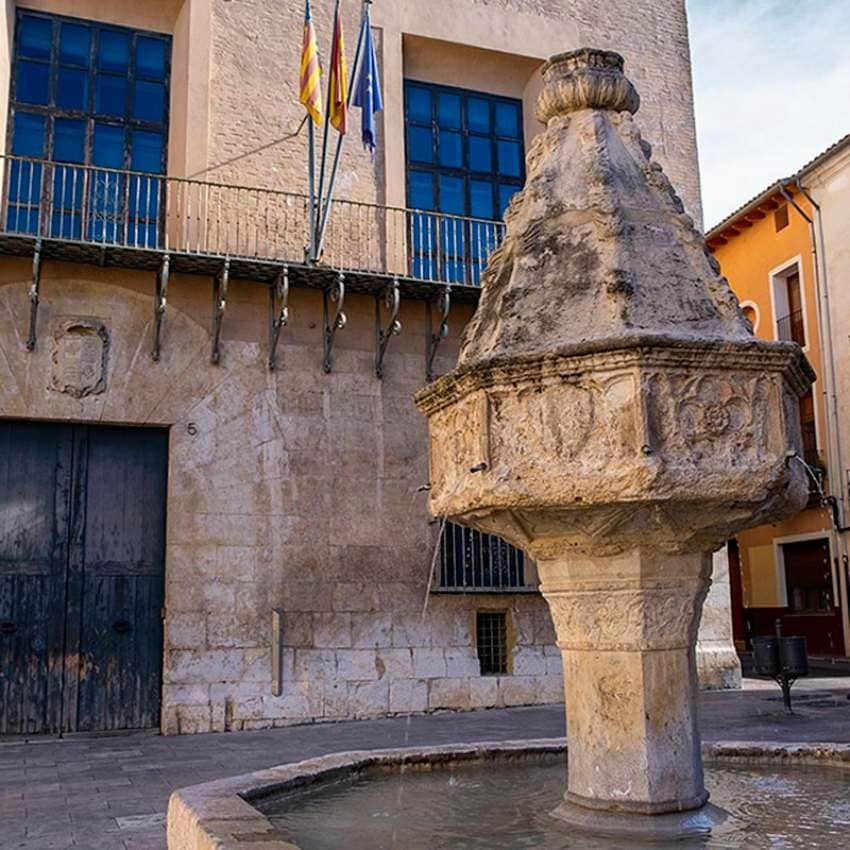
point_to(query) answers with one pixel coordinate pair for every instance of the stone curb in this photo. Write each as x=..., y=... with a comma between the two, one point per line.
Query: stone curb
x=775, y=752
x=227, y=814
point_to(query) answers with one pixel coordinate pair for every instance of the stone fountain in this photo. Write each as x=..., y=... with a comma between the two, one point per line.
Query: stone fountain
x=612, y=414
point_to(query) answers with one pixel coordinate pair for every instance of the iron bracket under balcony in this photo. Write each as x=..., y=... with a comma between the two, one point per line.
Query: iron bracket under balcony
x=278, y=313
x=174, y=226
x=392, y=301
x=159, y=305
x=335, y=294
x=35, y=288
x=433, y=340
x=221, y=283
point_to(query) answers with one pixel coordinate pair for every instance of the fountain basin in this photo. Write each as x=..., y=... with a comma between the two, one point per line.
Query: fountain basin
x=239, y=813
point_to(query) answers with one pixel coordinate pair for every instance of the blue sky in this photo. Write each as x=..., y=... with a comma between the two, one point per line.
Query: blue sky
x=771, y=91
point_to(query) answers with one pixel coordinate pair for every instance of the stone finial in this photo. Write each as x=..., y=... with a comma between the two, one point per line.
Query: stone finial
x=585, y=79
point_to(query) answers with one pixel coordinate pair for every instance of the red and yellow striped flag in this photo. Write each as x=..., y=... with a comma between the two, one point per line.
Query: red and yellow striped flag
x=311, y=71
x=338, y=85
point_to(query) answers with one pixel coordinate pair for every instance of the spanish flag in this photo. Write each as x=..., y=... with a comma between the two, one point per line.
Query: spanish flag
x=311, y=71
x=338, y=84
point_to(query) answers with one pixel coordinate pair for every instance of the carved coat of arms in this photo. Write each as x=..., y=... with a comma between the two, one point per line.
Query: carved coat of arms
x=79, y=360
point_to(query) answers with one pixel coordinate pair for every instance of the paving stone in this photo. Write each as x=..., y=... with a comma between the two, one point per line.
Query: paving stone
x=78, y=814
x=83, y=811
x=133, y=808
x=141, y=822
x=95, y=826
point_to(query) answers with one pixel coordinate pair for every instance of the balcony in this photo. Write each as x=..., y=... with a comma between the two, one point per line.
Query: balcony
x=811, y=456
x=791, y=328
x=132, y=220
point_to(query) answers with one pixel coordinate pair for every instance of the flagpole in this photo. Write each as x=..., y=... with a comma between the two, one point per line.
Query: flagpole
x=327, y=127
x=311, y=97
x=311, y=180
x=325, y=207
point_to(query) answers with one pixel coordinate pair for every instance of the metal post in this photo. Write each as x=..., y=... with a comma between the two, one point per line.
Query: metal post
x=784, y=681
x=277, y=652
x=311, y=181
x=327, y=126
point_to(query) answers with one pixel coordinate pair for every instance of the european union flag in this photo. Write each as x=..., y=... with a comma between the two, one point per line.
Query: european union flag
x=367, y=88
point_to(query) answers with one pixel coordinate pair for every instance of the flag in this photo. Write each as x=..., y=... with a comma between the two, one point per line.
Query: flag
x=311, y=71
x=338, y=84
x=367, y=88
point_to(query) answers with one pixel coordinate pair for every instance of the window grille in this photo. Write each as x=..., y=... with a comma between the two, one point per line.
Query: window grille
x=491, y=633
x=465, y=156
x=93, y=94
x=471, y=561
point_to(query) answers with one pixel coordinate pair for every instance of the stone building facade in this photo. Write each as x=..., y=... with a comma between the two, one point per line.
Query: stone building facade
x=297, y=547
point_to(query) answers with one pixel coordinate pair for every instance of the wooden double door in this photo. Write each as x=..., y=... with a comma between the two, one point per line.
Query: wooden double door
x=82, y=534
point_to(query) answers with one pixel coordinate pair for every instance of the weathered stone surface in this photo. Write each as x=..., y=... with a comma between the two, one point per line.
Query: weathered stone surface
x=718, y=665
x=626, y=627
x=612, y=414
x=79, y=359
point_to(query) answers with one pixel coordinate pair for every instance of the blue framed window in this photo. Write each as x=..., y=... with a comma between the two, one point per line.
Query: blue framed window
x=87, y=94
x=465, y=156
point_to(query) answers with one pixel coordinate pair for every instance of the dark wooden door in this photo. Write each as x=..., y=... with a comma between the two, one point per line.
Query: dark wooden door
x=82, y=533
x=35, y=484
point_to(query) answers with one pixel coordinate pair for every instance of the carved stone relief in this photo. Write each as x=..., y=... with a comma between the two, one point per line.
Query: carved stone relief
x=79, y=357
x=626, y=620
x=460, y=441
x=590, y=419
x=711, y=417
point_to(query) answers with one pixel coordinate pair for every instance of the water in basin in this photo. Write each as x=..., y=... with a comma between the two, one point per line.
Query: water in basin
x=501, y=806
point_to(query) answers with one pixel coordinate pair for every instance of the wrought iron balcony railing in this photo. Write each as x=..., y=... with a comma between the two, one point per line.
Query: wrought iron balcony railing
x=791, y=328
x=155, y=213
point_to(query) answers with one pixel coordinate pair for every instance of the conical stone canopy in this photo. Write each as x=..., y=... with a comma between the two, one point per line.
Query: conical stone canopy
x=599, y=251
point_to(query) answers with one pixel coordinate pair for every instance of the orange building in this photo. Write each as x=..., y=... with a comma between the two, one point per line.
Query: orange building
x=788, y=570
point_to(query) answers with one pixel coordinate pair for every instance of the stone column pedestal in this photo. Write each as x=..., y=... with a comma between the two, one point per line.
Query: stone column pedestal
x=626, y=626
x=718, y=665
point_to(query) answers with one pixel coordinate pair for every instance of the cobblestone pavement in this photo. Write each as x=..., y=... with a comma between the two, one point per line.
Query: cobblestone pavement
x=111, y=793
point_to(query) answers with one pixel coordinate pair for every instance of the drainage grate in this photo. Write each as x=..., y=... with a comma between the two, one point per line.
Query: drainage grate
x=491, y=631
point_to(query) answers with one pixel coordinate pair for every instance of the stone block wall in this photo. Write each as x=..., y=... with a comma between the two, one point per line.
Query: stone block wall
x=296, y=490
x=290, y=490
x=254, y=113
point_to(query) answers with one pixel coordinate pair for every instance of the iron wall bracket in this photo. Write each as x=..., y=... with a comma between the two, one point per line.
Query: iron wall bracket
x=335, y=294
x=34, y=294
x=433, y=340
x=392, y=301
x=220, y=284
x=278, y=313
x=159, y=305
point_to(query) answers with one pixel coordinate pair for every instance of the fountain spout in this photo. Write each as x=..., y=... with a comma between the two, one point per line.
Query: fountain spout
x=625, y=423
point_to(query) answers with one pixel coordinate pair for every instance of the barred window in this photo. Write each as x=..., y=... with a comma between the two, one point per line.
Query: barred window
x=491, y=638
x=472, y=561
